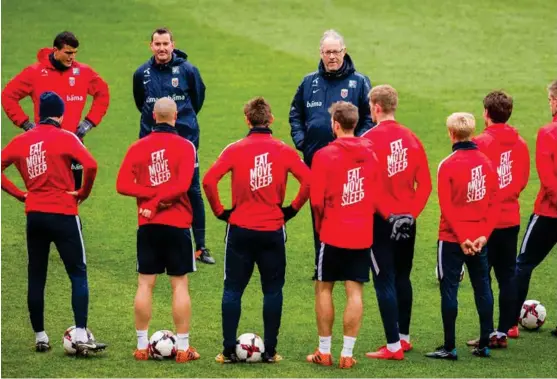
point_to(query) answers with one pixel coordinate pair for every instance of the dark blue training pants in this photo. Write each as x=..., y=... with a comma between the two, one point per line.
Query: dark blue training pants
x=198, y=208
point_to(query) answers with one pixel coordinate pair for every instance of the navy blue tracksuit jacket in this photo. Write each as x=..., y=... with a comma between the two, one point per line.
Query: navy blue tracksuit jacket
x=178, y=80
x=309, y=117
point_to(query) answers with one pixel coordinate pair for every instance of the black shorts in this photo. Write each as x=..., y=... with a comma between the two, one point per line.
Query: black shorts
x=335, y=264
x=163, y=248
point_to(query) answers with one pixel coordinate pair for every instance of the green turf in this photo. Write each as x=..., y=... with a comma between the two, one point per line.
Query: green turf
x=442, y=56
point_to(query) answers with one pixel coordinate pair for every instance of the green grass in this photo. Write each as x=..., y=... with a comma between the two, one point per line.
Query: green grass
x=442, y=56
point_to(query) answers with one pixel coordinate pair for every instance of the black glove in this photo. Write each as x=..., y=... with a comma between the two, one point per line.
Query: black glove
x=27, y=125
x=401, y=226
x=288, y=212
x=225, y=215
x=83, y=128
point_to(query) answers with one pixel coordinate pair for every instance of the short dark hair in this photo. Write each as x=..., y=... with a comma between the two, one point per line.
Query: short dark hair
x=65, y=38
x=499, y=106
x=346, y=114
x=258, y=112
x=161, y=31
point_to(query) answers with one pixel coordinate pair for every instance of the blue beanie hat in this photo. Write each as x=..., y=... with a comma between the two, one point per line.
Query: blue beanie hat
x=50, y=105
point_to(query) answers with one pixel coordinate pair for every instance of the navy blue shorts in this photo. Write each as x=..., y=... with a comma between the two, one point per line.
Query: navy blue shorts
x=336, y=264
x=163, y=248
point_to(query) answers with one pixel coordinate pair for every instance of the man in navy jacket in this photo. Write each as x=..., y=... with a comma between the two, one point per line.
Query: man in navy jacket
x=335, y=80
x=168, y=74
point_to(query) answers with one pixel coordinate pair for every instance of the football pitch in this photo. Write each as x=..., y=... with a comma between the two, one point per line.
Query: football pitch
x=442, y=57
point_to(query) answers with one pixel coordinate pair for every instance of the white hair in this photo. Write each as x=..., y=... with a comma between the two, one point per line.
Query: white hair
x=332, y=34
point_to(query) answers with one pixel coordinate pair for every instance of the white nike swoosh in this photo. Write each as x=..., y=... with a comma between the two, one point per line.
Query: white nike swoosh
x=315, y=91
x=146, y=82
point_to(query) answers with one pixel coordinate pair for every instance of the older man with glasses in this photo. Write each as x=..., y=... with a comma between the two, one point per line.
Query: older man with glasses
x=335, y=80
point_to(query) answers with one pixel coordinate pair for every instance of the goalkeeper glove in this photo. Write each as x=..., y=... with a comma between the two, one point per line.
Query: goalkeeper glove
x=27, y=125
x=83, y=128
x=401, y=225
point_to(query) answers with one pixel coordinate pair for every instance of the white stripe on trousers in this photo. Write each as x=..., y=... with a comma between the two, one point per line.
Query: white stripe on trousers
x=226, y=248
x=374, y=262
x=440, y=260
x=528, y=232
x=81, y=238
x=192, y=251
x=320, y=262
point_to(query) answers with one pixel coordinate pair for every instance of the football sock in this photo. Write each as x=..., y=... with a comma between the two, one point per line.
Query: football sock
x=405, y=337
x=183, y=341
x=325, y=345
x=81, y=335
x=41, y=337
x=348, y=346
x=501, y=334
x=142, y=340
x=394, y=347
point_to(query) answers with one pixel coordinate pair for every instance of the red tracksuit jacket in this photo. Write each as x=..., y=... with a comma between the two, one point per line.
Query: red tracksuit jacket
x=159, y=169
x=467, y=190
x=403, y=164
x=259, y=165
x=346, y=190
x=510, y=157
x=72, y=85
x=43, y=157
x=546, y=164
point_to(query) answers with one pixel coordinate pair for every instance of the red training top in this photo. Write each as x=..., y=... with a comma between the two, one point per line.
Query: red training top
x=546, y=164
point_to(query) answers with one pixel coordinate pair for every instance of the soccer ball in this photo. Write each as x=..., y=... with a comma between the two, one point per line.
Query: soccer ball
x=250, y=347
x=162, y=345
x=68, y=340
x=462, y=272
x=532, y=314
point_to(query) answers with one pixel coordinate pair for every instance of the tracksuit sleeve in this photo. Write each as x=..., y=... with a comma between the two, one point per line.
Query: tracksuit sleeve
x=16, y=89
x=297, y=119
x=211, y=180
x=8, y=157
x=126, y=184
x=423, y=180
x=302, y=173
x=525, y=158
x=317, y=189
x=197, y=92
x=444, y=192
x=101, y=99
x=545, y=145
x=365, y=122
x=138, y=90
x=77, y=151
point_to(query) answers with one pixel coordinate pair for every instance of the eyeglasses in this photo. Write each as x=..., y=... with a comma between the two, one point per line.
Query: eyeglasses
x=336, y=53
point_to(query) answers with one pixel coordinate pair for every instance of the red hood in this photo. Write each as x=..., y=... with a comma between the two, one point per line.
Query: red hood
x=505, y=134
x=42, y=56
x=355, y=148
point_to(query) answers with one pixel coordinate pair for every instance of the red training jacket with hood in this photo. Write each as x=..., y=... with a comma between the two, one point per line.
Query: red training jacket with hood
x=546, y=164
x=72, y=85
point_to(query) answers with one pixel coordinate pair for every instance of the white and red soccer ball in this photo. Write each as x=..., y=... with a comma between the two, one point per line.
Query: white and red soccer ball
x=68, y=339
x=249, y=348
x=532, y=315
x=162, y=345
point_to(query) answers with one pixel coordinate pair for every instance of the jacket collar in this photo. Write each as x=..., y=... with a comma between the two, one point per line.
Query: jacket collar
x=344, y=71
x=260, y=130
x=163, y=127
x=465, y=145
x=56, y=64
x=49, y=121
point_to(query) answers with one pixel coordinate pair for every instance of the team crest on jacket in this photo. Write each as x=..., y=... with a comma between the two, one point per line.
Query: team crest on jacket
x=344, y=93
x=72, y=81
x=175, y=70
x=75, y=71
x=175, y=82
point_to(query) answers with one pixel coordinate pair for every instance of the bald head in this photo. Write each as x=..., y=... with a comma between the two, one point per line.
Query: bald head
x=165, y=111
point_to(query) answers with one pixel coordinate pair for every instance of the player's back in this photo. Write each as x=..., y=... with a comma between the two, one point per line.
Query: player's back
x=42, y=157
x=467, y=180
x=158, y=160
x=347, y=170
x=259, y=166
x=546, y=164
x=509, y=156
x=400, y=155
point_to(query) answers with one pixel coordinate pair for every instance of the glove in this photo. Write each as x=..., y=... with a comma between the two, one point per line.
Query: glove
x=83, y=128
x=225, y=215
x=27, y=125
x=401, y=226
x=288, y=212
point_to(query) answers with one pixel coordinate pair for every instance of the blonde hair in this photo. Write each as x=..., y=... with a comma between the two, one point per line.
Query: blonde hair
x=552, y=89
x=461, y=125
x=331, y=34
x=385, y=96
